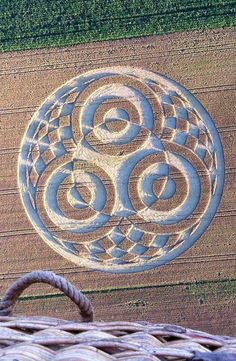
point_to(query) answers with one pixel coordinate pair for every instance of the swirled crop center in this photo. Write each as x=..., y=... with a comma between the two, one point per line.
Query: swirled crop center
x=121, y=170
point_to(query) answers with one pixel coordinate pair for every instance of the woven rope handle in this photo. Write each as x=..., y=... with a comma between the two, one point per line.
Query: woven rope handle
x=12, y=294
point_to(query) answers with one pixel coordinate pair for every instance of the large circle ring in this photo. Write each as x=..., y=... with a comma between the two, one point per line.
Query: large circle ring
x=121, y=170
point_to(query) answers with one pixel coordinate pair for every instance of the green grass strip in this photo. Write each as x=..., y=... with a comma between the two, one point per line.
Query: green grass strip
x=226, y=287
x=31, y=24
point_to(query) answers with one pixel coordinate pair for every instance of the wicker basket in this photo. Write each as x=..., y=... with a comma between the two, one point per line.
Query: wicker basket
x=40, y=338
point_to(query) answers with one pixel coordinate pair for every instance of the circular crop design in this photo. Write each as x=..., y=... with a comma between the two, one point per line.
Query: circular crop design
x=121, y=170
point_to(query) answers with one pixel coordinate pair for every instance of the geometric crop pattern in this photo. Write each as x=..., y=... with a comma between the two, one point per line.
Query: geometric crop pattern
x=121, y=170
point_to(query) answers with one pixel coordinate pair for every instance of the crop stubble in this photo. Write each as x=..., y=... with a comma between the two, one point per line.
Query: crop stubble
x=203, y=63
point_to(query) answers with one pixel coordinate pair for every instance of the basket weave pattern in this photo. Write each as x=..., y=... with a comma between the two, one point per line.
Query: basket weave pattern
x=50, y=339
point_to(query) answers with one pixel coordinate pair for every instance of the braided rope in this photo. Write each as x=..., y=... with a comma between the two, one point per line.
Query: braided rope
x=12, y=294
x=86, y=311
